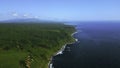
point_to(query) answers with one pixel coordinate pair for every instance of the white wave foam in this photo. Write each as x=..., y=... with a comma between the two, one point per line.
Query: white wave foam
x=62, y=49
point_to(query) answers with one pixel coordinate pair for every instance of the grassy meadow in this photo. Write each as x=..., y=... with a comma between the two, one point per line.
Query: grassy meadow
x=30, y=45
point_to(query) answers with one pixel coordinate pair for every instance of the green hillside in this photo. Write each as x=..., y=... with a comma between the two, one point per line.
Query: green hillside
x=31, y=45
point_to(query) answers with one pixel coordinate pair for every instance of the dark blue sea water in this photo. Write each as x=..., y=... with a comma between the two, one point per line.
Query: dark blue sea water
x=98, y=46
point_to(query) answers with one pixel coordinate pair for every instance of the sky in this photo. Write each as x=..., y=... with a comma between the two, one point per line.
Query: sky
x=61, y=10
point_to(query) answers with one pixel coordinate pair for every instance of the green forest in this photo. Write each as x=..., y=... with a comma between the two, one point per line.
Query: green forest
x=31, y=45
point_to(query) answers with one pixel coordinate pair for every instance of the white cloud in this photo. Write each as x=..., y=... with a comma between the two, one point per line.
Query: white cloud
x=15, y=14
x=25, y=15
x=36, y=16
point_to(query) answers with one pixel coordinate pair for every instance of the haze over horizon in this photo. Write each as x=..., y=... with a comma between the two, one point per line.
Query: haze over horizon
x=61, y=10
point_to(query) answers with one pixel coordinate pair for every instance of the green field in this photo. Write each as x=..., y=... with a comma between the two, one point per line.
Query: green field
x=31, y=45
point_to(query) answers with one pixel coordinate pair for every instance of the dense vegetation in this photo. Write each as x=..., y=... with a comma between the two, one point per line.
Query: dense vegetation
x=31, y=45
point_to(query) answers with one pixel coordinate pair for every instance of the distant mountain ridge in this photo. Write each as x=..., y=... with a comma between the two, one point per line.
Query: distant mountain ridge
x=26, y=20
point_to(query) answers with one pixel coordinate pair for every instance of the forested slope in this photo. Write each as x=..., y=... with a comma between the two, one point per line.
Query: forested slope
x=31, y=45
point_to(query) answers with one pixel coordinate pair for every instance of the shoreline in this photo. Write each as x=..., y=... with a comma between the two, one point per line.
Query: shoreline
x=61, y=50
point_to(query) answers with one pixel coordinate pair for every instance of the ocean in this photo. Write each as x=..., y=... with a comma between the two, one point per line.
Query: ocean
x=98, y=46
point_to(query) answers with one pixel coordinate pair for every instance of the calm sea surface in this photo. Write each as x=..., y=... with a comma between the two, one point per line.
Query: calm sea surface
x=98, y=46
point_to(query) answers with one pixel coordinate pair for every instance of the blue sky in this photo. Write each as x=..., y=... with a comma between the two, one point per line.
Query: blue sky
x=64, y=10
